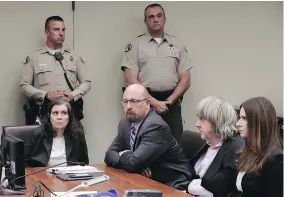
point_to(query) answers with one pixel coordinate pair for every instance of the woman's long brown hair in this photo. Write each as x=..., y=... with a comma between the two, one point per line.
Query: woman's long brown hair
x=263, y=135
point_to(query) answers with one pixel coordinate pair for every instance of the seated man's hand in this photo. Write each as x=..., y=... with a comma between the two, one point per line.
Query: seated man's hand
x=147, y=173
x=121, y=152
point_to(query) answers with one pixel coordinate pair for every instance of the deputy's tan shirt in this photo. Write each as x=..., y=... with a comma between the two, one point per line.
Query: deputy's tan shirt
x=41, y=73
x=158, y=65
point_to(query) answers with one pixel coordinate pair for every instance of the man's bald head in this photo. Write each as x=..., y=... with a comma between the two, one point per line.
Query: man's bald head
x=137, y=90
x=136, y=102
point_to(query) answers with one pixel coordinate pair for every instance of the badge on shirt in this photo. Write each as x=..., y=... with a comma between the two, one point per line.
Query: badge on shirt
x=27, y=60
x=171, y=46
x=128, y=48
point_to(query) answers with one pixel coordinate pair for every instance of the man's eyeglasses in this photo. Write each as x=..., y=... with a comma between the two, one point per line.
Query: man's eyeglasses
x=132, y=101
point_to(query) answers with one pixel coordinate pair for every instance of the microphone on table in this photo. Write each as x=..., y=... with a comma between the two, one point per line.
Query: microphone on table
x=10, y=185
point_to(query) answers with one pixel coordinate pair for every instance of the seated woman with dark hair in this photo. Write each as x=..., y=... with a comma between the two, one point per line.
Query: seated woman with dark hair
x=260, y=162
x=57, y=140
x=213, y=167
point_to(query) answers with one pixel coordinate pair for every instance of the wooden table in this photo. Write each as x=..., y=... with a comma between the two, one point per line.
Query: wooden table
x=119, y=180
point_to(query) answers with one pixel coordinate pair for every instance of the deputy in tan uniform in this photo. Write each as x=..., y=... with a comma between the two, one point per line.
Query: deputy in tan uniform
x=43, y=76
x=159, y=62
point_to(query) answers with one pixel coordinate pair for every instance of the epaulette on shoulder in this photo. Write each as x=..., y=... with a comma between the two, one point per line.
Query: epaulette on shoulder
x=68, y=50
x=40, y=48
x=170, y=35
x=140, y=35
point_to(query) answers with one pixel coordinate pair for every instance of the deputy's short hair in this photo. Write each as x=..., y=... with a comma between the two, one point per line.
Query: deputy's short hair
x=52, y=18
x=152, y=6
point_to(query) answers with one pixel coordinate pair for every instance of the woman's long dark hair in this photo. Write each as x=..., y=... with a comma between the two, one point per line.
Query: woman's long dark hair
x=263, y=134
x=71, y=128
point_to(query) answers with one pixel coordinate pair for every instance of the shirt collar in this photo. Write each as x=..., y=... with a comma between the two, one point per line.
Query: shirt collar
x=216, y=146
x=52, y=51
x=62, y=49
x=165, y=37
x=136, y=125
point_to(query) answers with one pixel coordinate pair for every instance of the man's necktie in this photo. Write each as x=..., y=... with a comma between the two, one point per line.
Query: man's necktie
x=132, y=137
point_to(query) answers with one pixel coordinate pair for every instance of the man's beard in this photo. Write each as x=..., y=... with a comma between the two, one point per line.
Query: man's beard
x=131, y=118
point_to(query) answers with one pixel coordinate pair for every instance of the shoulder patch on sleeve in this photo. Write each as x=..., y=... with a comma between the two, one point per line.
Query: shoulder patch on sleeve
x=27, y=60
x=128, y=48
x=125, y=59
